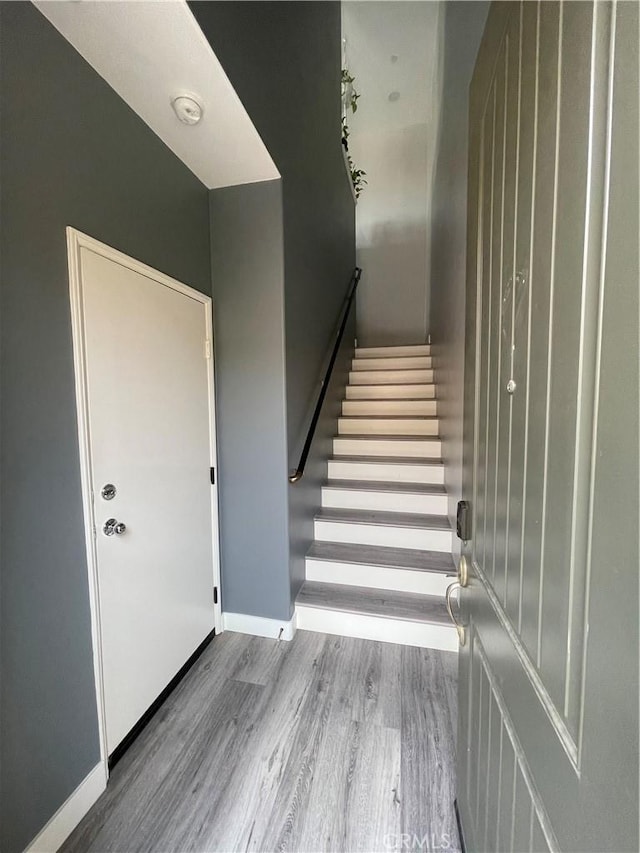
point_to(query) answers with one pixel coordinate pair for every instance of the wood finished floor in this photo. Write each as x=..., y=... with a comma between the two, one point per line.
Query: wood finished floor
x=321, y=744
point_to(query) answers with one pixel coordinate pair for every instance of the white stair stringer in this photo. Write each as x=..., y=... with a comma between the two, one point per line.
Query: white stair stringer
x=382, y=557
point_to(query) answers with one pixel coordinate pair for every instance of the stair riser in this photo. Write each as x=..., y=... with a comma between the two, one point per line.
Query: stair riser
x=384, y=501
x=385, y=408
x=378, y=577
x=390, y=377
x=390, y=392
x=386, y=472
x=392, y=352
x=406, y=633
x=394, y=537
x=419, y=362
x=387, y=426
x=418, y=448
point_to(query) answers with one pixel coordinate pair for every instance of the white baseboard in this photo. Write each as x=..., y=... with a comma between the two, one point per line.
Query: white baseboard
x=365, y=627
x=53, y=835
x=243, y=623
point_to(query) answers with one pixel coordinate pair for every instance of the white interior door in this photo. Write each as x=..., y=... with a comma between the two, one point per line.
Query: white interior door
x=148, y=395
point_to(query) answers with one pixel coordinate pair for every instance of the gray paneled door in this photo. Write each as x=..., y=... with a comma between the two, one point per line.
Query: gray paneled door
x=548, y=734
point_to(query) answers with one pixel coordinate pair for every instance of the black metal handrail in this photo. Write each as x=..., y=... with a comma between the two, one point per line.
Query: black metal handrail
x=297, y=474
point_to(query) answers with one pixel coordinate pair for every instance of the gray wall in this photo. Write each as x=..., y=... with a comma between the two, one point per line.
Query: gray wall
x=463, y=27
x=304, y=496
x=248, y=281
x=283, y=59
x=72, y=154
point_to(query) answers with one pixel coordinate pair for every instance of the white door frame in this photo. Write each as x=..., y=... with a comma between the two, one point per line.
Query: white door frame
x=76, y=241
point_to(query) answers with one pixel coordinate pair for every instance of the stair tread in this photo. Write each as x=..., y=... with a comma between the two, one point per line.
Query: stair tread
x=394, y=347
x=359, y=355
x=410, y=376
x=387, y=384
x=386, y=486
x=392, y=399
x=374, y=602
x=395, y=369
x=389, y=460
x=366, y=365
x=436, y=562
x=433, y=399
x=389, y=417
x=384, y=519
x=384, y=437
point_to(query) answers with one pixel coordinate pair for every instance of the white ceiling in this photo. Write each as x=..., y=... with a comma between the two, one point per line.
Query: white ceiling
x=393, y=47
x=151, y=51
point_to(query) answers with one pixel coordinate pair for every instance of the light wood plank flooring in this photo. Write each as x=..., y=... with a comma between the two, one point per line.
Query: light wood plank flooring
x=321, y=744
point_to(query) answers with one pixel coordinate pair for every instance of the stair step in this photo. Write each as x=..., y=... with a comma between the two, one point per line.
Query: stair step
x=405, y=362
x=390, y=529
x=395, y=470
x=399, y=569
x=392, y=558
x=383, y=425
x=387, y=446
x=423, y=391
x=395, y=605
x=376, y=352
x=388, y=408
x=385, y=497
x=390, y=377
x=396, y=617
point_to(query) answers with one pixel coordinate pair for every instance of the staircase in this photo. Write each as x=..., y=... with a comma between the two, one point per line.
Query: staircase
x=381, y=560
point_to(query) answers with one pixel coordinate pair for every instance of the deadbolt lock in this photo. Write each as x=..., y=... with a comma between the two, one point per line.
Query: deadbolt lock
x=108, y=492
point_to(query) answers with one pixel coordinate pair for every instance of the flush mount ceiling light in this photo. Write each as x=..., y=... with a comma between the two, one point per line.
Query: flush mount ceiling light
x=188, y=108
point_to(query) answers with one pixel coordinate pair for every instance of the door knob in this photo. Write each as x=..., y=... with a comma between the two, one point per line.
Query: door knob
x=112, y=525
x=463, y=572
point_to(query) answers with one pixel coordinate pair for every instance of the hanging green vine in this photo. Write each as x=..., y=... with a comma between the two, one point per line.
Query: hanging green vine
x=350, y=102
x=349, y=94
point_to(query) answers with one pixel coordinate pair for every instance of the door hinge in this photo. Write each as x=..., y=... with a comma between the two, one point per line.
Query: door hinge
x=212, y=472
x=215, y=595
x=207, y=349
